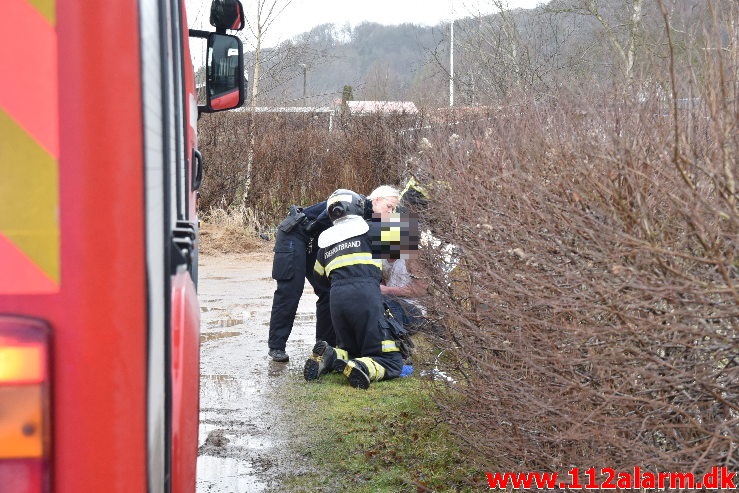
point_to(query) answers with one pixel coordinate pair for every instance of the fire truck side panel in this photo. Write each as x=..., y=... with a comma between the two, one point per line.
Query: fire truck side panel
x=185, y=383
x=100, y=322
x=169, y=137
x=98, y=244
x=114, y=134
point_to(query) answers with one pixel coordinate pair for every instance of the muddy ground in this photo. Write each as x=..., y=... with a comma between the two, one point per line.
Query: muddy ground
x=243, y=428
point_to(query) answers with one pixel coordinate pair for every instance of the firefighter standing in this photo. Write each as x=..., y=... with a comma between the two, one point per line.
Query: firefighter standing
x=365, y=350
x=294, y=257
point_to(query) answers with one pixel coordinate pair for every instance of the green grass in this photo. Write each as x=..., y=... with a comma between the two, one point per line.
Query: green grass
x=389, y=438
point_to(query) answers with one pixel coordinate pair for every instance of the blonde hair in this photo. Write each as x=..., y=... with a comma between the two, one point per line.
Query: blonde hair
x=384, y=191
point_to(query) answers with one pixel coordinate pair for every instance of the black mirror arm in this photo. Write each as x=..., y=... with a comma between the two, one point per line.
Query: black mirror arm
x=197, y=33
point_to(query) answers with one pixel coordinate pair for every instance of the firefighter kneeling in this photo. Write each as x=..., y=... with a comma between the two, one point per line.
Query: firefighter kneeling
x=366, y=350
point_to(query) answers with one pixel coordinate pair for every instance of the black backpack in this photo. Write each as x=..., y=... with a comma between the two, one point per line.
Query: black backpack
x=397, y=332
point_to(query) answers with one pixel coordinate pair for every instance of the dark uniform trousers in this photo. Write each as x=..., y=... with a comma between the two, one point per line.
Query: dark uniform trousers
x=293, y=264
x=356, y=309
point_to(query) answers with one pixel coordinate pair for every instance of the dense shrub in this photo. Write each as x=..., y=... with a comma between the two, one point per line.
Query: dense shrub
x=593, y=309
x=297, y=159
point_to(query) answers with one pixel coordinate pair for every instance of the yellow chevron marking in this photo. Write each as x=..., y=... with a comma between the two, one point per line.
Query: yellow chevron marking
x=47, y=8
x=29, y=196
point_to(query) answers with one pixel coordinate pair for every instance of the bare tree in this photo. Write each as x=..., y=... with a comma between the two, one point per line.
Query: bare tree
x=381, y=83
x=265, y=15
x=511, y=36
x=510, y=53
x=623, y=35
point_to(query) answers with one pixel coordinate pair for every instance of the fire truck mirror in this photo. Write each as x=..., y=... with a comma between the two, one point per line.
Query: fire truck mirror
x=225, y=81
x=227, y=14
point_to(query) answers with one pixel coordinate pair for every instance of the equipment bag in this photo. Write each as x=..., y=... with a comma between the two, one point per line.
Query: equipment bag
x=397, y=332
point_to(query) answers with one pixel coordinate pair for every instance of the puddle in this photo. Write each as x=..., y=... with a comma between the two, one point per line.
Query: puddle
x=226, y=391
x=243, y=432
x=204, y=308
x=236, y=317
x=226, y=322
x=235, y=440
x=276, y=369
x=210, y=336
x=217, y=474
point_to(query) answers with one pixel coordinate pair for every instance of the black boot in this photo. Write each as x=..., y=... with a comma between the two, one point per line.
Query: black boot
x=355, y=371
x=279, y=355
x=320, y=362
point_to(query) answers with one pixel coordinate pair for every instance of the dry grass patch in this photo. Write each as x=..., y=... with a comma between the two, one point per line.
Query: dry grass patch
x=224, y=232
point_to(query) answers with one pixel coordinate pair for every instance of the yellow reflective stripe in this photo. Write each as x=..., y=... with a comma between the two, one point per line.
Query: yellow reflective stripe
x=318, y=269
x=414, y=185
x=376, y=371
x=389, y=346
x=342, y=354
x=390, y=235
x=348, y=368
x=347, y=259
x=361, y=258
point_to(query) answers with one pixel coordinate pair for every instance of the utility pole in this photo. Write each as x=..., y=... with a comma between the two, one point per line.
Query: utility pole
x=305, y=70
x=451, y=57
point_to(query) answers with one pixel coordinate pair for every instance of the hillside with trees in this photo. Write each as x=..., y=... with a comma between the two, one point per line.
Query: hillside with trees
x=378, y=62
x=565, y=44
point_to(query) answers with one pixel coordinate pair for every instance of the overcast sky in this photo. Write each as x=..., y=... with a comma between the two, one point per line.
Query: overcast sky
x=302, y=15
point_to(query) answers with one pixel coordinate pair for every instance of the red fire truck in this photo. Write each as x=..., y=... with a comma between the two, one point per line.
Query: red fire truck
x=99, y=318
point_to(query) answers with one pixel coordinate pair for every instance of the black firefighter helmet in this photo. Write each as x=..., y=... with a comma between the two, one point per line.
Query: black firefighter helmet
x=343, y=203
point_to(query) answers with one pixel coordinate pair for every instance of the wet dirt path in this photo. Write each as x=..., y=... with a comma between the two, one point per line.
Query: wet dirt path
x=243, y=430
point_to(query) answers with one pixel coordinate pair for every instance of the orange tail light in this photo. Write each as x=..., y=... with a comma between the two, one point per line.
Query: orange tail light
x=24, y=405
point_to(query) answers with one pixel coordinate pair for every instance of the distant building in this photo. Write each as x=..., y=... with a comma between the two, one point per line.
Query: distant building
x=322, y=113
x=359, y=108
